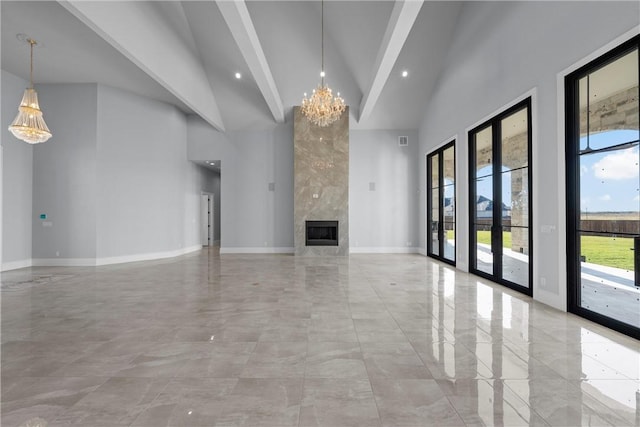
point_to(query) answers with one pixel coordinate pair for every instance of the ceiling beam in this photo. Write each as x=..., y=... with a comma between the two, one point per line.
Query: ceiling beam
x=237, y=17
x=136, y=31
x=403, y=16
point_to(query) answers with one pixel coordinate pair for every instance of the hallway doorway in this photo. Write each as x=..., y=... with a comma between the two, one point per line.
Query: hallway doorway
x=207, y=219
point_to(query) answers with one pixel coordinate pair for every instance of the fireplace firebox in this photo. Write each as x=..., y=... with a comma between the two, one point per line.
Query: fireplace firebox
x=321, y=233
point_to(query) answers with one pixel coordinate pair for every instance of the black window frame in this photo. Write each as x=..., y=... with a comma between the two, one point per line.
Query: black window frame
x=572, y=179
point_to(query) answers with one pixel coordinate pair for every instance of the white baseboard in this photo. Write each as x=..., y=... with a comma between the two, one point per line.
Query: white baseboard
x=146, y=257
x=64, y=262
x=384, y=250
x=92, y=262
x=14, y=265
x=548, y=298
x=258, y=250
x=422, y=251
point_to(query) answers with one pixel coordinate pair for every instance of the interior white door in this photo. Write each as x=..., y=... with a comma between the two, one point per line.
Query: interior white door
x=204, y=219
x=210, y=219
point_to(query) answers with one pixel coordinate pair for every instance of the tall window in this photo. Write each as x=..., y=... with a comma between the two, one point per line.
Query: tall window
x=500, y=191
x=603, y=189
x=441, y=203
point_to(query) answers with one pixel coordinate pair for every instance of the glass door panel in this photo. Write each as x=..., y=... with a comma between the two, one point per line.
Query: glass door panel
x=433, y=204
x=435, y=221
x=514, y=150
x=603, y=180
x=483, y=224
x=448, y=203
x=483, y=200
x=450, y=241
x=484, y=248
x=435, y=171
x=607, y=275
x=515, y=265
x=449, y=166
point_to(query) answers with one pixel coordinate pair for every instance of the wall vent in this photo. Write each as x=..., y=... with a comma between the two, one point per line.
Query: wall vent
x=403, y=141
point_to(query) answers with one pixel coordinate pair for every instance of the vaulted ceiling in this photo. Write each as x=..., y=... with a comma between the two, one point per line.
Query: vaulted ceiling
x=187, y=53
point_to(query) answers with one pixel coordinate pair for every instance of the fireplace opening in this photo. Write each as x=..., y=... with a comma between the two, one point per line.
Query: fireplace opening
x=322, y=233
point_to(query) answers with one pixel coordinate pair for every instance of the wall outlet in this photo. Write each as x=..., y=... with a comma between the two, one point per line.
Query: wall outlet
x=57, y=253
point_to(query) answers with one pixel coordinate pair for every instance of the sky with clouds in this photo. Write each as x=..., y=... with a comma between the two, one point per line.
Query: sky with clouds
x=610, y=181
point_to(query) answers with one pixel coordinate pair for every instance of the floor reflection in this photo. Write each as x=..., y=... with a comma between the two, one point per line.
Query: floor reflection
x=385, y=340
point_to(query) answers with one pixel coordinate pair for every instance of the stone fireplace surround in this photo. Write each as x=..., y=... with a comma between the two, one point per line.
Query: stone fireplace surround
x=321, y=181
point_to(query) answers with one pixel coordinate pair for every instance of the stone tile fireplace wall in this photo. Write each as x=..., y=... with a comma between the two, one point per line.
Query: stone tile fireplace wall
x=321, y=180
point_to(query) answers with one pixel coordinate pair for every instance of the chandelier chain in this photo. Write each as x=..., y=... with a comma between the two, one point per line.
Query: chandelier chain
x=31, y=43
x=322, y=41
x=322, y=108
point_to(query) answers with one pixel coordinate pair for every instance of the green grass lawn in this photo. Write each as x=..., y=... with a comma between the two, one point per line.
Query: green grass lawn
x=485, y=237
x=609, y=251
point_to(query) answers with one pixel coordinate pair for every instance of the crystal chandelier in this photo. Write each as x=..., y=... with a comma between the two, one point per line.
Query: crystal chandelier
x=29, y=126
x=322, y=108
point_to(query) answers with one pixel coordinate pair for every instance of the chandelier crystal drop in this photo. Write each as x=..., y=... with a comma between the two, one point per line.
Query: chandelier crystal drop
x=322, y=108
x=29, y=125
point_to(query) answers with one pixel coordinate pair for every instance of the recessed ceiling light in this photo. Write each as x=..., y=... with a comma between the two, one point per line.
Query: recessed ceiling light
x=238, y=76
x=405, y=73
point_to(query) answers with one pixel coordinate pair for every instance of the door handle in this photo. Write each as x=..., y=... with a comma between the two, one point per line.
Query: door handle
x=495, y=237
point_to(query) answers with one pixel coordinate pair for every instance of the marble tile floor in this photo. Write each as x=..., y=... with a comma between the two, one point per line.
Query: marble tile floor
x=278, y=340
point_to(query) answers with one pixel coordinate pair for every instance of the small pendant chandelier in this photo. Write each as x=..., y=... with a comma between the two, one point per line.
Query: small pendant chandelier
x=322, y=108
x=29, y=125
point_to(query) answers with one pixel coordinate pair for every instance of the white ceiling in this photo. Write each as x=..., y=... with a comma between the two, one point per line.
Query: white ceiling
x=288, y=38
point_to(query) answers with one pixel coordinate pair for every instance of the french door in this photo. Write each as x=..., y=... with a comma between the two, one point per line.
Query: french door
x=603, y=189
x=499, y=202
x=441, y=204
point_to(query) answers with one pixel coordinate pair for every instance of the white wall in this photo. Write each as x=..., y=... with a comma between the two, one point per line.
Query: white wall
x=64, y=174
x=254, y=219
x=149, y=192
x=17, y=179
x=383, y=219
x=262, y=218
x=501, y=51
x=114, y=180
